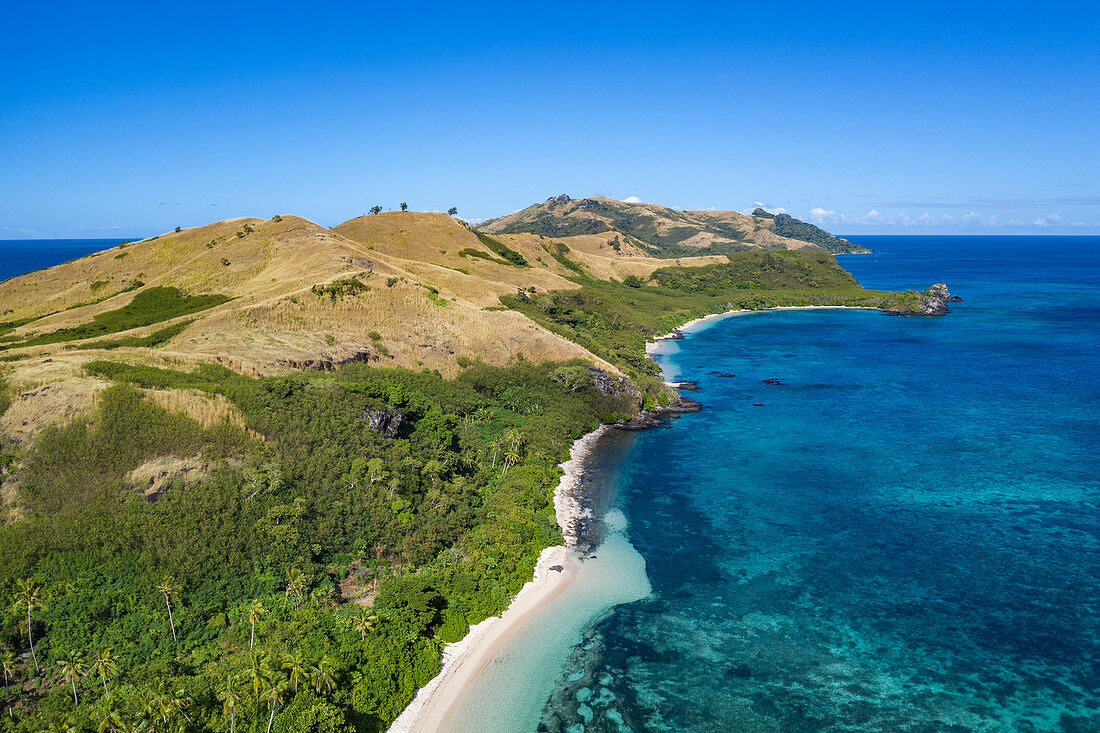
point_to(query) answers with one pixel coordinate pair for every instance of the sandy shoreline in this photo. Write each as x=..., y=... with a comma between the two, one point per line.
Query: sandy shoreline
x=435, y=703
x=651, y=346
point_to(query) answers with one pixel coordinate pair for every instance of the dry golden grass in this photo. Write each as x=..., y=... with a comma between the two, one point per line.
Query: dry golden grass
x=204, y=409
x=151, y=476
x=427, y=312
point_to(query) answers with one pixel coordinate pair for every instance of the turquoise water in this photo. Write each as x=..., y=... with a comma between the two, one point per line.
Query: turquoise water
x=905, y=536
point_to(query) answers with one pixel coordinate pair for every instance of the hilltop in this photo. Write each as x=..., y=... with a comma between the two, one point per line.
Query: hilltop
x=270, y=296
x=659, y=231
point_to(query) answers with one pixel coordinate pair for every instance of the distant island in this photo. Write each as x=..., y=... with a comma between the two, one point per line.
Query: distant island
x=658, y=231
x=256, y=473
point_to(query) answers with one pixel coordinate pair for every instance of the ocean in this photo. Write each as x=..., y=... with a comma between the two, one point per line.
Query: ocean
x=20, y=256
x=903, y=535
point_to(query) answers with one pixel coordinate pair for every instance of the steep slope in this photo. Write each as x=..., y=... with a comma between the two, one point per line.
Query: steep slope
x=665, y=232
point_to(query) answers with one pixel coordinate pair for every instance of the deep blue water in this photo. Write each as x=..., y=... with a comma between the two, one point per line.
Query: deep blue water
x=19, y=256
x=905, y=536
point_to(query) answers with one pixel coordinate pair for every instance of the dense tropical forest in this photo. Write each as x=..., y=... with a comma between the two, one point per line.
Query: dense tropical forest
x=234, y=595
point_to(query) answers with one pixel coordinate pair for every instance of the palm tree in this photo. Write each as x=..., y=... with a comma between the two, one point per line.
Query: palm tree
x=7, y=663
x=176, y=699
x=109, y=717
x=104, y=666
x=295, y=665
x=258, y=672
x=65, y=723
x=275, y=692
x=169, y=588
x=364, y=621
x=29, y=594
x=323, y=675
x=255, y=611
x=167, y=702
x=295, y=586
x=71, y=667
x=231, y=701
x=512, y=451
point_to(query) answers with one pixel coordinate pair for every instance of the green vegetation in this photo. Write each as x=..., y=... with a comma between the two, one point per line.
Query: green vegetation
x=614, y=320
x=344, y=287
x=559, y=250
x=787, y=226
x=148, y=307
x=226, y=600
x=505, y=252
x=471, y=252
x=154, y=340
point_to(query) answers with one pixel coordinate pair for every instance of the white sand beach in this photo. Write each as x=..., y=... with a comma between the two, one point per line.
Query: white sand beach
x=434, y=705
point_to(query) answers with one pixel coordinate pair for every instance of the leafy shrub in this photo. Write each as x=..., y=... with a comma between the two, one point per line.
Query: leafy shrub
x=340, y=288
x=148, y=307
x=505, y=252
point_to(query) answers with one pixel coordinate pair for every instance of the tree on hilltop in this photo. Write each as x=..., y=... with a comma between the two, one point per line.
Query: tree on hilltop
x=376, y=209
x=452, y=211
x=404, y=206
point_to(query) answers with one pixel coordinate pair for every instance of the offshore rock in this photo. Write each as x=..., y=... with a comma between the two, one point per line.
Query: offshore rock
x=933, y=302
x=385, y=422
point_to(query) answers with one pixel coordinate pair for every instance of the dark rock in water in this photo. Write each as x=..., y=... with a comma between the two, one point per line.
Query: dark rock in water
x=689, y=386
x=556, y=568
x=386, y=421
x=740, y=672
x=659, y=417
x=726, y=375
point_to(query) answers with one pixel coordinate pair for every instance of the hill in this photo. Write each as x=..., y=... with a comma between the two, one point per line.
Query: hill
x=663, y=232
x=263, y=452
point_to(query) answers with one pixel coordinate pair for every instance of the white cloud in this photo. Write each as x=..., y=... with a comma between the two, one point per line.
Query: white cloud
x=823, y=216
x=761, y=205
x=632, y=200
x=1047, y=220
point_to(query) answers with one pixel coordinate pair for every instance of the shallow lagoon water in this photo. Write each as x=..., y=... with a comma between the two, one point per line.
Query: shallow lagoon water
x=903, y=536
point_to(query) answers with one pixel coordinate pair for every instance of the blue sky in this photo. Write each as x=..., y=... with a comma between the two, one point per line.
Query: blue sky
x=127, y=119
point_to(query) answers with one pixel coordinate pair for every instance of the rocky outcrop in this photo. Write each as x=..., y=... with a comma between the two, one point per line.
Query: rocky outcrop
x=327, y=362
x=609, y=385
x=933, y=302
x=656, y=418
x=386, y=421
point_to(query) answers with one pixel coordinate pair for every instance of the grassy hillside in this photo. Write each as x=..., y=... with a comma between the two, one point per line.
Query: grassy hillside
x=262, y=470
x=663, y=232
